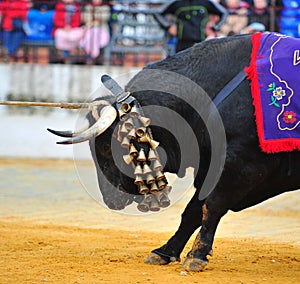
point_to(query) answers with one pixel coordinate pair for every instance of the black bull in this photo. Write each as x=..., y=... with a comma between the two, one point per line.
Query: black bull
x=248, y=177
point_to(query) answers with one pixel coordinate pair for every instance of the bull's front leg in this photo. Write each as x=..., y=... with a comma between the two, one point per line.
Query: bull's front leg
x=190, y=221
x=196, y=259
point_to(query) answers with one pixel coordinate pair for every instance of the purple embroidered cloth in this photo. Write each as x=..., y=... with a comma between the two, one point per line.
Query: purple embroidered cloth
x=274, y=72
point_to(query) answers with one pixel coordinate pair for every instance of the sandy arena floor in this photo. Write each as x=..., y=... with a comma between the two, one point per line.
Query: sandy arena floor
x=52, y=231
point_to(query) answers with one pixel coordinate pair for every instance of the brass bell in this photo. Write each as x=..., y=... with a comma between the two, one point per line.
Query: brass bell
x=145, y=121
x=135, y=111
x=125, y=143
x=138, y=169
x=167, y=190
x=129, y=124
x=141, y=131
x=138, y=180
x=127, y=159
x=146, y=138
x=148, y=198
x=131, y=134
x=154, y=206
x=157, y=166
x=122, y=114
x=146, y=170
x=159, y=175
x=152, y=155
x=123, y=129
x=125, y=107
x=163, y=199
x=154, y=188
x=143, y=206
x=143, y=189
x=150, y=179
x=161, y=184
x=133, y=151
x=141, y=157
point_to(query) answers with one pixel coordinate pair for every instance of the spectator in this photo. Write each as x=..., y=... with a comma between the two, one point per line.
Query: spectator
x=253, y=28
x=14, y=16
x=43, y=5
x=67, y=30
x=95, y=17
x=237, y=17
x=259, y=13
x=191, y=19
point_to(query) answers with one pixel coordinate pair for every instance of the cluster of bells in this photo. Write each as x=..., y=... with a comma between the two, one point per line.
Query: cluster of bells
x=150, y=180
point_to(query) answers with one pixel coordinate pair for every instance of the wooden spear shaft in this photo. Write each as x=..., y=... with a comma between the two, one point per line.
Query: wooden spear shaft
x=44, y=104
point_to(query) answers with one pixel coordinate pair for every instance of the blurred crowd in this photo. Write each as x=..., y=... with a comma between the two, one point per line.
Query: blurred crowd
x=87, y=26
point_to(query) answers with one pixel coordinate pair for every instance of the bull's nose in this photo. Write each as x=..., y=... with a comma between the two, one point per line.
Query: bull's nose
x=114, y=204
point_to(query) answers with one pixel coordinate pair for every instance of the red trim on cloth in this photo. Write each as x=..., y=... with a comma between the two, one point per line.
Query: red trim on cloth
x=252, y=75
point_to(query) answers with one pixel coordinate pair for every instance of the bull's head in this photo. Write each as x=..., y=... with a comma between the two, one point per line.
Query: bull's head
x=119, y=131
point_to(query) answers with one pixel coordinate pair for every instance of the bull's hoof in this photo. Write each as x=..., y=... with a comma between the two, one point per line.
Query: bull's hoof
x=154, y=258
x=194, y=264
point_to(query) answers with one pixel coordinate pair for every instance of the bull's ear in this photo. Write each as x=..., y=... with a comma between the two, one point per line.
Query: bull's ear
x=114, y=87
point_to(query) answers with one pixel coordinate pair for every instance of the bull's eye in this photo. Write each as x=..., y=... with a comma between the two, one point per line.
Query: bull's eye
x=106, y=149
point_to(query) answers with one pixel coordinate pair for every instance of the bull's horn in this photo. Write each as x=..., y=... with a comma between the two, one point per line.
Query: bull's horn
x=108, y=116
x=67, y=133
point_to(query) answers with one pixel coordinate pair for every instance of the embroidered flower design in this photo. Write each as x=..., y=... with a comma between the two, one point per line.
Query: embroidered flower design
x=289, y=117
x=277, y=94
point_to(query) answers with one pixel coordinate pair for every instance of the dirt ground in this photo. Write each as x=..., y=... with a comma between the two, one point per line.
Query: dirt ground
x=51, y=231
